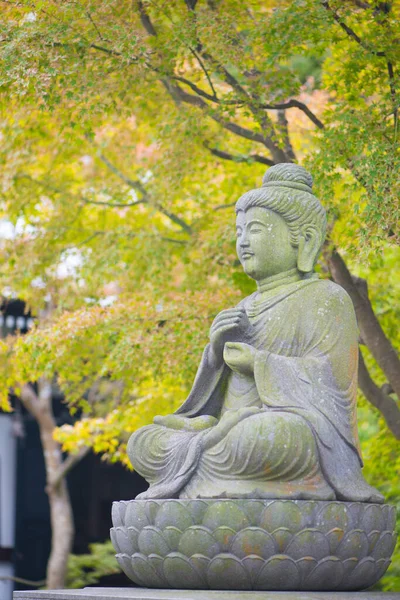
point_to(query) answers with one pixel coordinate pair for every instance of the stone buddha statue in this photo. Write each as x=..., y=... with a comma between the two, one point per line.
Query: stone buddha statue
x=272, y=411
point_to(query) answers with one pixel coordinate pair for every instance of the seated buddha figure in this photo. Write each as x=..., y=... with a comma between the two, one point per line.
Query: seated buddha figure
x=272, y=411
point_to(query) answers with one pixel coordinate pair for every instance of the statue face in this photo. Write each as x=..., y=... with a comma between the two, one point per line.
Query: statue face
x=263, y=243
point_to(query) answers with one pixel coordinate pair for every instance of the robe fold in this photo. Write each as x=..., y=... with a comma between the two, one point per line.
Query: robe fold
x=289, y=431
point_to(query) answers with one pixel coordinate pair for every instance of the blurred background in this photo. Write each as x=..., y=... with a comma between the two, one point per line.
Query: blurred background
x=128, y=130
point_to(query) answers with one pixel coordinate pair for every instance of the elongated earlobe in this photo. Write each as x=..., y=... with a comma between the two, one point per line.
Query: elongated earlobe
x=309, y=245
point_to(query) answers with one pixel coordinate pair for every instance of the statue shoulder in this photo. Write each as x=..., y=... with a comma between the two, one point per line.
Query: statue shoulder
x=327, y=297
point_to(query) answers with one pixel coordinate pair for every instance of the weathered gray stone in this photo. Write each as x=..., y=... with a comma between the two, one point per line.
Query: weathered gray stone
x=271, y=415
x=268, y=544
x=146, y=594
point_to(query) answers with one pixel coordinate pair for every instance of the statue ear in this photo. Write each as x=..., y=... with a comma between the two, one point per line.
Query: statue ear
x=309, y=245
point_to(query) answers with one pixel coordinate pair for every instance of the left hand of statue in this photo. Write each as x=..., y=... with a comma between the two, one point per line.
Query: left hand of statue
x=240, y=357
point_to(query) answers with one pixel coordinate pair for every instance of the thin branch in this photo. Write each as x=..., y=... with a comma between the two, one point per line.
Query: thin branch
x=283, y=122
x=145, y=19
x=350, y=32
x=393, y=93
x=114, y=204
x=95, y=26
x=223, y=206
x=203, y=68
x=250, y=158
x=295, y=104
x=66, y=467
x=133, y=183
x=191, y=4
x=138, y=186
x=378, y=398
x=196, y=89
x=23, y=581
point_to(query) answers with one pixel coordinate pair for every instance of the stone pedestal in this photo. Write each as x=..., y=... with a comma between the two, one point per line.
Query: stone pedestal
x=243, y=544
x=146, y=594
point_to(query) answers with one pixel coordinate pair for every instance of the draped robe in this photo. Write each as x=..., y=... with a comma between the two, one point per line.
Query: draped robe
x=289, y=431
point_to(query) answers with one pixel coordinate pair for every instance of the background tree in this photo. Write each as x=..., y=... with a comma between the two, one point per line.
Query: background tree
x=129, y=129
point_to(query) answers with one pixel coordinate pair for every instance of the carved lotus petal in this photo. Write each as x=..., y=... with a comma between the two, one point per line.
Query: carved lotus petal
x=197, y=510
x=114, y=540
x=200, y=562
x=363, y=575
x=334, y=537
x=118, y=511
x=151, y=541
x=225, y=513
x=279, y=573
x=282, y=537
x=390, y=515
x=282, y=514
x=350, y=564
x=253, y=565
x=326, y=575
x=333, y=515
x=198, y=540
x=173, y=513
x=144, y=572
x=253, y=540
x=172, y=536
x=373, y=518
x=135, y=515
x=125, y=563
x=133, y=536
x=355, y=512
x=381, y=567
x=157, y=563
x=373, y=537
x=152, y=508
x=308, y=512
x=306, y=565
x=354, y=544
x=309, y=542
x=120, y=540
x=226, y=572
x=224, y=536
x=385, y=545
x=178, y=568
x=253, y=510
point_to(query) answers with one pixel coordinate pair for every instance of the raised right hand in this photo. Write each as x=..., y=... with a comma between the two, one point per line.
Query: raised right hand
x=229, y=325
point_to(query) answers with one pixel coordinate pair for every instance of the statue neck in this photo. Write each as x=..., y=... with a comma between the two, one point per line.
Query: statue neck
x=269, y=283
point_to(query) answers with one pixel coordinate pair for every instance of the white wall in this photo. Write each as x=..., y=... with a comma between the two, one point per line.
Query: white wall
x=8, y=455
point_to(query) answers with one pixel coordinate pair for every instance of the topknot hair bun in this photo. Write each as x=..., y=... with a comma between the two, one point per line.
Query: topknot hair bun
x=288, y=172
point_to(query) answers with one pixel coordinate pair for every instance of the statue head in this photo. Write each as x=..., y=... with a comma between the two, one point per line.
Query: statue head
x=282, y=225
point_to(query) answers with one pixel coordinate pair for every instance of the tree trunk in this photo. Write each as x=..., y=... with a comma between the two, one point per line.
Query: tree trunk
x=62, y=523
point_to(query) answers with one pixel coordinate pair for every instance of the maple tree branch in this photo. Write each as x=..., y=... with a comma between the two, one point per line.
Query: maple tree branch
x=114, y=204
x=196, y=89
x=29, y=582
x=29, y=398
x=238, y=158
x=138, y=186
x=378, y=398
x=145, y=19
x=66, y=466
x=393, y=92
x=206, y=73
x=350, y=32
x=296, y=104
x=283, y=122
x=191, y=4
x=89, y=16
x=371, y=331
